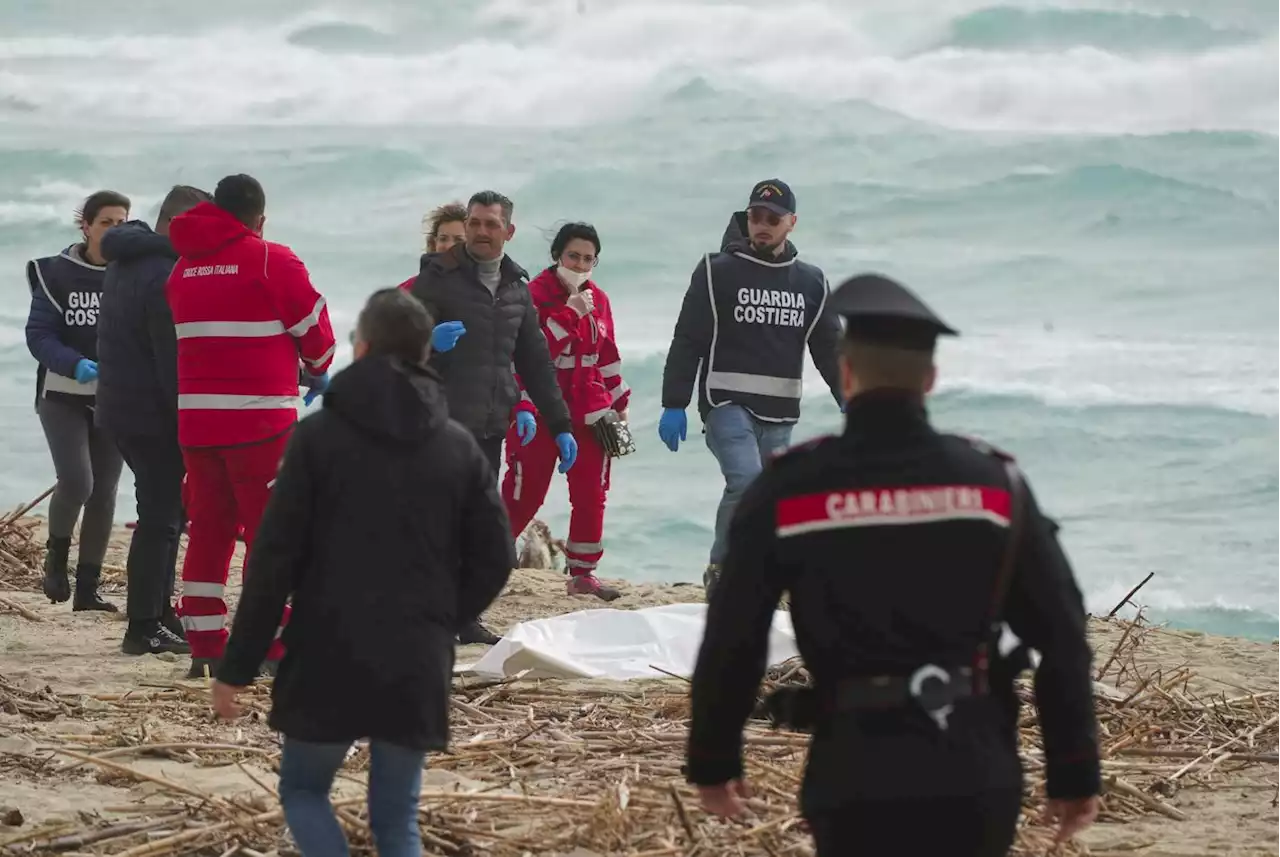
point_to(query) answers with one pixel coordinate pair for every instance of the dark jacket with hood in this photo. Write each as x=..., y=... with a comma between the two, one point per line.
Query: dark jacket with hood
x=137, y=346
x=502, y=331
x=743, y=329
x=386, y=527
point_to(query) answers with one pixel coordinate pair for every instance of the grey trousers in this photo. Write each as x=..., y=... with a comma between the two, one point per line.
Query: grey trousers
x=88, y=466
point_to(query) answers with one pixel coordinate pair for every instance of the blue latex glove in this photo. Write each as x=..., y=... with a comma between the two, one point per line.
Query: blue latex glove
x=526, y=427
x=86, y=371
x=446, y=335
x=316, y=385
x=672, y=427
x=568, y=450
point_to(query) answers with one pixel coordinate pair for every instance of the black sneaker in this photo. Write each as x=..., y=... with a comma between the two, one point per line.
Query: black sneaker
x=477, y=633
x=153, y=641
x=171, y=621
x=203, y=667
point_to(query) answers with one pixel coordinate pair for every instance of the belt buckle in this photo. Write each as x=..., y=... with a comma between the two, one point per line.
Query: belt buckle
x=930, y=687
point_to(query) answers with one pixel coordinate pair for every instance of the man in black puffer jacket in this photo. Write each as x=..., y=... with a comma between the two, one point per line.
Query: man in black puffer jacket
x=137, y=405
x=485, y=325
x=486, y=330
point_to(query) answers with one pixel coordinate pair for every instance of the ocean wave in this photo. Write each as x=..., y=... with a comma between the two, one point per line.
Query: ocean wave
x=1117, y=31
x=514, y=65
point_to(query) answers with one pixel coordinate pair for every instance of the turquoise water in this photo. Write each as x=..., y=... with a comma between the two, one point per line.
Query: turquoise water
x=1088, y=190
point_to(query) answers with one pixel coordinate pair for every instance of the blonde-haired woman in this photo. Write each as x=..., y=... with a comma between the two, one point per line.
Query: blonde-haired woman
x=442, y=228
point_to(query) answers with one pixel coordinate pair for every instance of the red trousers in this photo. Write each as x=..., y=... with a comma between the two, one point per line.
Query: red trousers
x=227, y=491
x=528, y=477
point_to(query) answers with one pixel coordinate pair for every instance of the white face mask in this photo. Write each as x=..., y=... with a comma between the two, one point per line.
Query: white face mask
x=571, y=278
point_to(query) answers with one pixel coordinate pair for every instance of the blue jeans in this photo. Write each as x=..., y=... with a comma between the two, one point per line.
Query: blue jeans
x=395, y=782
x=741, y=443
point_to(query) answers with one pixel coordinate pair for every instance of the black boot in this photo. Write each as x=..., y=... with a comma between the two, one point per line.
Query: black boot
x=151, y=637
x=87, y=590
x=56, y=586
x=172, y=623
x=202, y=667
x=477, y=633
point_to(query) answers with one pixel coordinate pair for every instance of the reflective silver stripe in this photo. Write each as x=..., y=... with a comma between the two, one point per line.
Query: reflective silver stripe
x=319, y=361
x=229, y=402
x=195, y=589
x=55, y=383
x=584, y=547
x=595, y=416
x=620, y=391
x=230, y=329
x=215, y=622
x=279, y=631
x=524, y=397
x=312, y=319
x=570, y=361
x=580, y=563
x=519, y=480
x=556, y=330
x=610, y=370
x=759, y=385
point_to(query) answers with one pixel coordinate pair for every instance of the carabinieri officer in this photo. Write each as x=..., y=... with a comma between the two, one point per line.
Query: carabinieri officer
x=903, y=549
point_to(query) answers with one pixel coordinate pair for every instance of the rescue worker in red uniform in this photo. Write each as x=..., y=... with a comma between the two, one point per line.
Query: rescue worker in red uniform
x=576, y=319
x=246, y=317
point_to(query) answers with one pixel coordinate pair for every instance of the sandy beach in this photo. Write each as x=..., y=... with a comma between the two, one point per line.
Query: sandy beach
x=159, y=761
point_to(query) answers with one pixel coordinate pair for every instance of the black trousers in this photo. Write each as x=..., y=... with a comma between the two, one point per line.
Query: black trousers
x=156, y=462
x=492, y=447
x=981, y=826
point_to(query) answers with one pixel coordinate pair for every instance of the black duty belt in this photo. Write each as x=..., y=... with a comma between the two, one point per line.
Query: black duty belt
x=931, y=688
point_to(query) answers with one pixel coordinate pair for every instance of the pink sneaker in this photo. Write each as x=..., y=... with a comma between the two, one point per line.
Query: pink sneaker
x=588, y=584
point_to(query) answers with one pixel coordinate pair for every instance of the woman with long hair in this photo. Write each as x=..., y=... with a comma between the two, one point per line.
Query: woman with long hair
x=577, y=321
x=62, y=335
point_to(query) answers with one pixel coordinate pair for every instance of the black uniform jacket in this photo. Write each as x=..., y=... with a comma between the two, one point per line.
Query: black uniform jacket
x=137, y=344
x=502, y=333
x=386, y=527
x=888, y=539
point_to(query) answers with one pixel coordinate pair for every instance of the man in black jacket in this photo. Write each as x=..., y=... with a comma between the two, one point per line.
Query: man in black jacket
x=138, y=405
x=749, y=314
x=902, y=550
x=386, y=528
x=486, y=327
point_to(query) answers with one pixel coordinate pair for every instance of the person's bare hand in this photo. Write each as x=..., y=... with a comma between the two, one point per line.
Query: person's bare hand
x=1073, y=815
x=726, y=799
x=582, y=303
x=622, y=415
x=224, y=700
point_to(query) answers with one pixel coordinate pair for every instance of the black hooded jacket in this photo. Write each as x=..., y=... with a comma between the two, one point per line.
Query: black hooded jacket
x=386, y=528
x=137, y=346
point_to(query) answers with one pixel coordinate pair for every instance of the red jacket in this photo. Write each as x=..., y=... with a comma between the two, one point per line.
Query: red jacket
x=583, y=349
x=245, y=314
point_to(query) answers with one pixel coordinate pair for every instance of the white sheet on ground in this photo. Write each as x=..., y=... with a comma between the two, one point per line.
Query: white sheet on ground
x=615, y=644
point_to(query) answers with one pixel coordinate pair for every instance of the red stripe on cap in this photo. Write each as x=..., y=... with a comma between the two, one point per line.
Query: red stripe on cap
x=891, y=506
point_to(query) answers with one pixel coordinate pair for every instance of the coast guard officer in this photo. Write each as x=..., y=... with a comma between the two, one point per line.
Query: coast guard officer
x=902, y=549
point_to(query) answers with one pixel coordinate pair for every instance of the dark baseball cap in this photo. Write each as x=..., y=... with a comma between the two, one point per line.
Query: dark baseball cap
x=882, y=311
x=773, y=194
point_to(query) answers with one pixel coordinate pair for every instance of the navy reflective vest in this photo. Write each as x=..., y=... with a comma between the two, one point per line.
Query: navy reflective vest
x=762, y=315
x=74, y=288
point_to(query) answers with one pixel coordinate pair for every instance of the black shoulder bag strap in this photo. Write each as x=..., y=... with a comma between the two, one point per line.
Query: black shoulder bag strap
x=1004, y=576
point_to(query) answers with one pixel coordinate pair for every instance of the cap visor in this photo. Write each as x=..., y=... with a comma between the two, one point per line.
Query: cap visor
x=772, y=206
